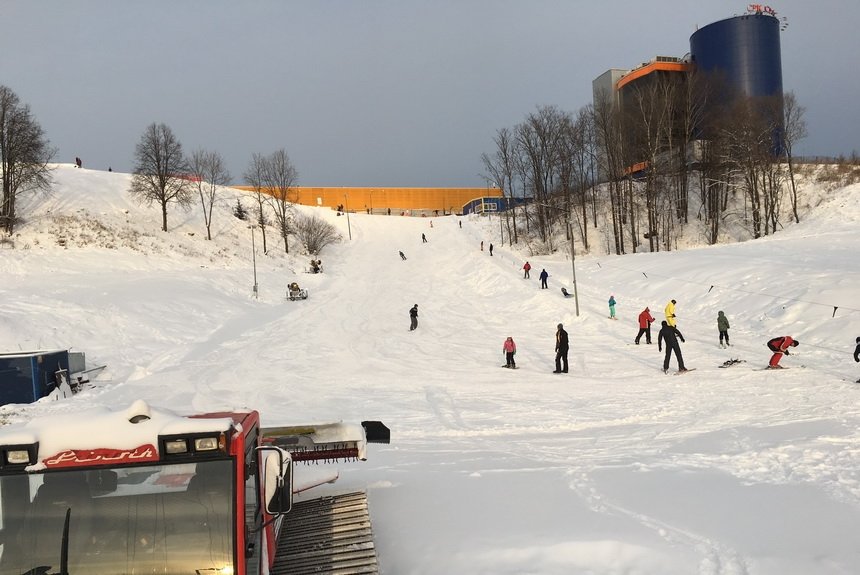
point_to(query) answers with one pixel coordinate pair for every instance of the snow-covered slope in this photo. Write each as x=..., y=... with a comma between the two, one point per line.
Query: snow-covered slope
x=613, y=468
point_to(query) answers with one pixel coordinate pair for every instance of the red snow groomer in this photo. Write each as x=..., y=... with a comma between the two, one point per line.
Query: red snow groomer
x=145, y=490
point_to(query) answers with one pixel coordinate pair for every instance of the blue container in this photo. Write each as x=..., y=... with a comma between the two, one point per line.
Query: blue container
x=30, y=375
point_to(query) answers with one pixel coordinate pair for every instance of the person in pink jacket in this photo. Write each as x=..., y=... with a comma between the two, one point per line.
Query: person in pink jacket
x=509, y=348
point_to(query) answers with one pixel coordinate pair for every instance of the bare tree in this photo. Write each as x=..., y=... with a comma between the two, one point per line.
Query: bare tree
x=24, y=156
x=255, y=176
x=795, y=130
x=209, y=173
x=161, y=171
x=315, y=233
x=279, y=176
x=500, y=168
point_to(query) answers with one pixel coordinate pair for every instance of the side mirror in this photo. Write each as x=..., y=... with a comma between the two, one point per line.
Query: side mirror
x=278, y=480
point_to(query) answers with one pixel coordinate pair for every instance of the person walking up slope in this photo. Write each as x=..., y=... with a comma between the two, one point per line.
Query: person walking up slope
x=526, y=269
x=561, y=347
x=670, y=335
x=723, y=327
x=413, y=318
x=779, y=346
x=645, y=320
x=612, y=307
x=543, y=277
x=670, y=313
x=509, y=348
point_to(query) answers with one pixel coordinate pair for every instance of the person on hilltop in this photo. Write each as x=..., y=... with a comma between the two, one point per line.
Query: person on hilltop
x=526, y=269
x=561, y=347
x=543, y=278
x=723, y=327
x=670, y=313
x=413, y=318
x=670, y=335
x=509, y=348
x=491, y=248
x=779, y=346
x=645, y=321
x=612, y=307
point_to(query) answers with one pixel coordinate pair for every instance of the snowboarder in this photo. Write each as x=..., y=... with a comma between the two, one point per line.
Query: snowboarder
x=612, y=307
x=645, y=320
x=857, y=353
x=565, y=293
x=423, y=239
x=543, y=276
x=526, y=269
x=561, y=347
x=482, y=245
x=491, y=249
x=509, y=348
x=413, y=318
x=78, y=162
x=670, y=313
x=723, y=327
x=779, y=346
x=670, y=335
x=402, y=256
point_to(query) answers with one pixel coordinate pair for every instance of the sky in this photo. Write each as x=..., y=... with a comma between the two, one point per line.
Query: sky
x=611, y=469
x=372, y=92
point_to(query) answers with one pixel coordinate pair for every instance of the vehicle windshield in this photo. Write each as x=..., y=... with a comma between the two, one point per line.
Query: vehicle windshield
x=172, y=519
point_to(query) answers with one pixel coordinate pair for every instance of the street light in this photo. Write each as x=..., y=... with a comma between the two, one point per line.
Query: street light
x=254, y=259
x=572, y=254
x=348, y=227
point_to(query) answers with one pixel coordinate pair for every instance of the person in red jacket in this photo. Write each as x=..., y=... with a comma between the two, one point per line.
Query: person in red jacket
x=645, y=320
x=526, y=269
x=509, y=348
x=779, y=346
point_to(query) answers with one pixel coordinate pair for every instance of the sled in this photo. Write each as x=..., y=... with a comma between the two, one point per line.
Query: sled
x=294, y=292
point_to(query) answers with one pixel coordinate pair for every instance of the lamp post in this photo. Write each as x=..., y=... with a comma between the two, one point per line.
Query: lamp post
x=572, y=254
x=254, y=259
x=348, y=227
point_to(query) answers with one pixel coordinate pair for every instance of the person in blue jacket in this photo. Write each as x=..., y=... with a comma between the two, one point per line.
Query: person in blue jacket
x=612, y=307
x=543, y=277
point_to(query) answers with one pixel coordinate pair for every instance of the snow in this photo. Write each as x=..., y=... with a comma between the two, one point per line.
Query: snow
x=613, y=468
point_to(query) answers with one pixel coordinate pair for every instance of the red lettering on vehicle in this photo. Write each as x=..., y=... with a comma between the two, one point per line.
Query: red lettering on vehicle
x=82, y=457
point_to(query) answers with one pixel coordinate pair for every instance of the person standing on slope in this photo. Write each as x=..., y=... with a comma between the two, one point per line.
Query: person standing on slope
x=670, y=313
x=857, y=353
x=543, y=277
x=509, y=348
x=561, y=347
x=423, y=239
x=612, y=307
x=723, y=327
x=526, y=269
x=779, y=346
x=491, y=249
x=670, y=335
x=645, y=320
x=413, y=318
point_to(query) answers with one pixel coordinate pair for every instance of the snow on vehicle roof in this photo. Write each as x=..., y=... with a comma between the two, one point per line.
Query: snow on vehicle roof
x=103, y=428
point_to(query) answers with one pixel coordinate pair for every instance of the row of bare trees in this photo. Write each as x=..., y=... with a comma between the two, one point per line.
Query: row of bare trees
x=645, y=150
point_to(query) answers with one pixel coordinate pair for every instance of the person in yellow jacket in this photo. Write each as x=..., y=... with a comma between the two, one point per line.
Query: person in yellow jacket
x=670, y=313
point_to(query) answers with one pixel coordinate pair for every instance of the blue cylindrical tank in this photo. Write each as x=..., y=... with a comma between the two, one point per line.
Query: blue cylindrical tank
x=745, y=49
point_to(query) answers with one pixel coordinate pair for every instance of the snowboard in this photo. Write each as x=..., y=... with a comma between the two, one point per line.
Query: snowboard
x=731, y=362
x=515, y=367
x=683, y=372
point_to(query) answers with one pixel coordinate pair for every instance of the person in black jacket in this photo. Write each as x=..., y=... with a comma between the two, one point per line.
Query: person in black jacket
x=857, y=353
x=413, y=318
x=561, y=347
x=670, y=335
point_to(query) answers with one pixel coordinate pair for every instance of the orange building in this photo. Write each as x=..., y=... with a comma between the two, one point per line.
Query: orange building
x=378, y=200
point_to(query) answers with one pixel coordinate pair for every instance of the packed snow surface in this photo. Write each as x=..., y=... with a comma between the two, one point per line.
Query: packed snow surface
x=613, y=468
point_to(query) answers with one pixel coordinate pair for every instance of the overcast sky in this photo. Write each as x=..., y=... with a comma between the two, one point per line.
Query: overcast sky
x=372, y=92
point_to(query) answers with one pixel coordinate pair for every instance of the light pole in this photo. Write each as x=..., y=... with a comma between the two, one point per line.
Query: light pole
x=254, y=259
x=572, y=254
x=348, y=227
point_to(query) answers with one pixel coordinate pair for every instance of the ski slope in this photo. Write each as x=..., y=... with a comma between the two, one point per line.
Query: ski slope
x=614, y=468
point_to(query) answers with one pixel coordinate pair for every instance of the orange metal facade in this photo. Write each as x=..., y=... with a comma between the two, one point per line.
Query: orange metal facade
x=380, y=200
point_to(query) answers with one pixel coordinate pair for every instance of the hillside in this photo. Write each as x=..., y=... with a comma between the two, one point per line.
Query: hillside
x=612, y=468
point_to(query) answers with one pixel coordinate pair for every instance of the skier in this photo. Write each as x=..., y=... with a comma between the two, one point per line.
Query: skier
x=670, y=335
x=561, y=347
x=402, y=256
x=645, y=320
x=779, y=346
x=526, y=269
x=509, y=348
x=857, y=353
x=423, y=239
x=612, y=307
x=543, y=276
x=413, y=318
x=491, y=249
x=723, y=327
x=670, y=313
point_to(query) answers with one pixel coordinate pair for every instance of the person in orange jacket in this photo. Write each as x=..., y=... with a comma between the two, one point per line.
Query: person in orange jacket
x=779, y=346
x=645, y=321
